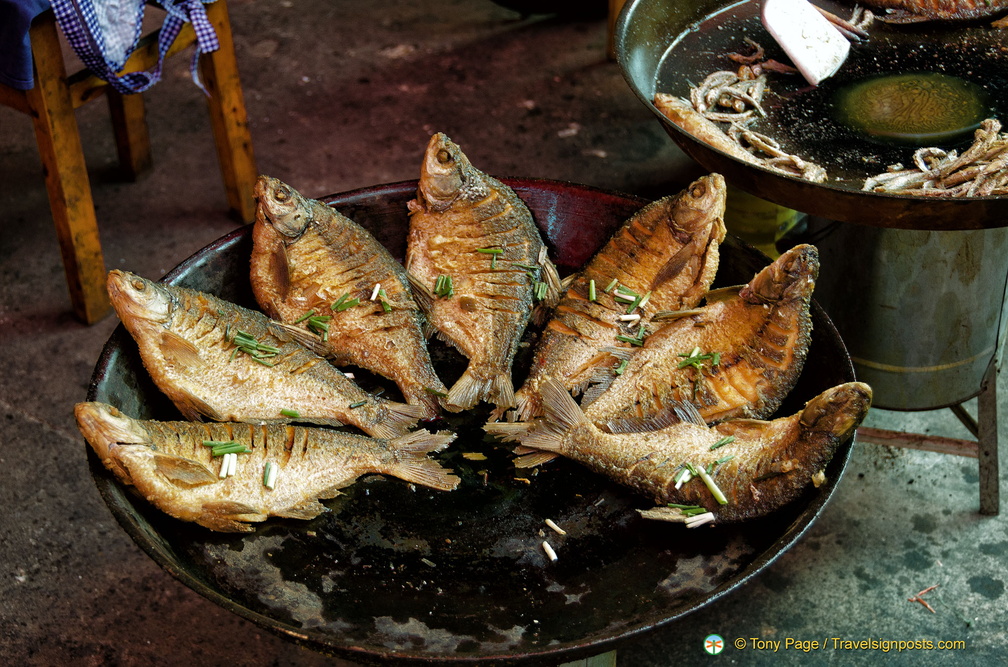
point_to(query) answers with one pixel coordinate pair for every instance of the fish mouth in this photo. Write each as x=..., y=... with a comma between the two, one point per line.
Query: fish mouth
x=839, y=410
x=105, y=427
x=277, y=204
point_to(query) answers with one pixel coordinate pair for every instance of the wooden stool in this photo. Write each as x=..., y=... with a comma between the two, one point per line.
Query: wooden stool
x=51, y=105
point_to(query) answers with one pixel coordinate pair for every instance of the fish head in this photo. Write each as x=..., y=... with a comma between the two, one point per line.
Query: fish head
x=838, y=410
x=446, y=174
x=791, y=276
x=701, y=206
x=281, y=207
x=104, y=427
x=137, y=299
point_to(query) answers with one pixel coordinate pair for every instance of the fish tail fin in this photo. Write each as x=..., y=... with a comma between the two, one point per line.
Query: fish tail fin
x=562, y=414
x=424, y=397
x=508, y=431
x=533, y=459
x=528, y=405
x=414, y=465
x=470, y=390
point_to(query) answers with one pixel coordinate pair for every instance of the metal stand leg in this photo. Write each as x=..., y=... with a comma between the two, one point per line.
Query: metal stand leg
x=987, y=442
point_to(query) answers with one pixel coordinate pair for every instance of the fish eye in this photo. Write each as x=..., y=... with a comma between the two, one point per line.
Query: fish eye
x=698, y=191
x=139, y=285
x=282, y=193
x=443, y=156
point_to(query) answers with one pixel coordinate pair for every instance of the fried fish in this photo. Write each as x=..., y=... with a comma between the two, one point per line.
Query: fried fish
x=177, y=466
x=472, y=242
x=316, y=269
x=663, y=258
x=754, y=467
x=738, y=356
x=215, y=359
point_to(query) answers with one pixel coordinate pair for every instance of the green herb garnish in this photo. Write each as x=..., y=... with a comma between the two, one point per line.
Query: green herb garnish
x=621, y=367
x=591, y=289
x=540, y=290
x=221, y=447
x=630, y=339
x=357, y=404
x=305, y=316
x=728, y=439
x=247, y=343
x=443, y=286
x=712, y=487
x=293, y=414
x=383, y=298
x=610, y=286
x=320, y=325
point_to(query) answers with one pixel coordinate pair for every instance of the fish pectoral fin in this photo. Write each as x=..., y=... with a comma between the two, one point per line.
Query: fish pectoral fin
x=305, y=338
x=229, y=516
x=676, y=263
x=722, y=294
x=421, y=292
x=194, y=408
x=309, y=509
x=178, y=351
x=279, y=267
x=182, y=471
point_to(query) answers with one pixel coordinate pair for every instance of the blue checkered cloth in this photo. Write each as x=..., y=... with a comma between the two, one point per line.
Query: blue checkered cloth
x=103, y=33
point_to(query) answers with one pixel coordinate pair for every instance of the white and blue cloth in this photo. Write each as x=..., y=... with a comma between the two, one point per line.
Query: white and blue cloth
x=104, y=33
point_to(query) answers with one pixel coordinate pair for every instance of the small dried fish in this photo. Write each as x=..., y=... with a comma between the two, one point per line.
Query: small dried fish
x=981, y=171
x=215, y=359
x=663, y=258
x=778, y=458
x=472, y=242
x=316, y=269
x=914, y=11
x=173, y=467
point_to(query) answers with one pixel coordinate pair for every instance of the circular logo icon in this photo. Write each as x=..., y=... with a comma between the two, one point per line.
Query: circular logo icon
x=713, y=644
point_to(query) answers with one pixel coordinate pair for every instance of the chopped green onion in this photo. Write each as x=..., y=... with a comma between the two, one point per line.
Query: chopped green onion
x=270, y=474
x=712, y=487
x=724, y=459
x=220, y=448
x=443, y=286
x=611, y=285
x=435, y=392
x=320, y=325
x=644, y=299
x=633, y=305
x=375, y=291
x=491, y=251
x=305, y=316
x=339, y=302
x=383, y=298
x=357, y=404
x=344, y=305
x=728, y=439
x=287, y=412
x=540, y=290
x=622, y=298
x=591, y=289
x=631, y=340
x=683, y=476
x=621, y=367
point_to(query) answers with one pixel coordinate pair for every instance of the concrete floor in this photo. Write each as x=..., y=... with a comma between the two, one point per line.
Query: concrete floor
x=343, y=95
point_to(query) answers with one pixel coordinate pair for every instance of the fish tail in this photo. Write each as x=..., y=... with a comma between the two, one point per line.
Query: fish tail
x=470, y=390
x=414, y=465
x=527, y=404
x=562, y=414
x=397, y=419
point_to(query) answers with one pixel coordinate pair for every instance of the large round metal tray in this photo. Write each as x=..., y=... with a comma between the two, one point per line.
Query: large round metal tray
x=417, y=576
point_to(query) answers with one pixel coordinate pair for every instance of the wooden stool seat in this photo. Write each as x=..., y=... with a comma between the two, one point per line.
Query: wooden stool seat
x=51, y=104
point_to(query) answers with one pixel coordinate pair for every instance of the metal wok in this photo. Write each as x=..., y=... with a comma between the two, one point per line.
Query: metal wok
x=646, y=29
x=400, y=574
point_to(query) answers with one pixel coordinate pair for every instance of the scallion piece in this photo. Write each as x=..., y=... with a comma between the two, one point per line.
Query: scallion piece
x=357, y=404
x=443, y=286
x=621, y=367
x=339, y=302
x=267, y=471
x=591, y=289
x=287, y=412
x=611, y=285
x=628, y=339
x=383, y=298
x=491, y=251
x=305, y=316
x=724, y=459
x=712, y=487
x=435, y=392
x=728, y=439
x=540, y=290
x=346, y=304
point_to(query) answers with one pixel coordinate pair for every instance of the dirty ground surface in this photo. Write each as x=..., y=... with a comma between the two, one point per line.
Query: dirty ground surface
x=344, y=95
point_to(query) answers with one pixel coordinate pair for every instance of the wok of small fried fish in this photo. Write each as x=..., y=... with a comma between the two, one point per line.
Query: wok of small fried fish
x=760, y=334
x=475, y=264
x=171, y=465
x=190, y=344
x=766, y=465
x=472, y=229
x=663, y=258
x=309, y=263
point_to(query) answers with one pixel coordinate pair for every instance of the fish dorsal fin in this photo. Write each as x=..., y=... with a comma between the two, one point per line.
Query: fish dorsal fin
x=687, y=413
x=182, y=471
x=306, y=510
x=677, y=413
x=194, y=408
x=279, y=267
x=621, y=353
x=676, y=263
x=180, y=352
x=568, y=281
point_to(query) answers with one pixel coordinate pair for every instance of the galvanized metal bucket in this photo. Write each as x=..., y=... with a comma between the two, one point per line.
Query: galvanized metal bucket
x=922, y=312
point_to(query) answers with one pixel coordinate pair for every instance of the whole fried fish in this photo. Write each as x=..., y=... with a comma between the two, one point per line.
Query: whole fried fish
x=473, y=243
x=172, y=466
x=738, y=356
x=306, y=257
x=758, y=466
x=215, y=359
x=912, y=11
x=662, y=258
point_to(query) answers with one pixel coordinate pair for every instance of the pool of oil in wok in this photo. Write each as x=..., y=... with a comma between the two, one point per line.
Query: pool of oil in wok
x=965, y=60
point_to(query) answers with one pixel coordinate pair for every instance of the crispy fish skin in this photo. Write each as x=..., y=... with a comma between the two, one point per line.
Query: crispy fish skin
x=459, y=219
x=171, y=467
x=668, y=249
x=772, y=461
x=186, y=341
x=306, y=256
x=761, y=333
